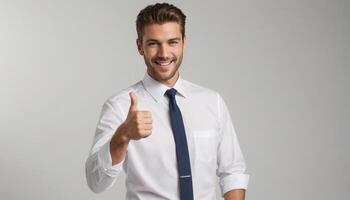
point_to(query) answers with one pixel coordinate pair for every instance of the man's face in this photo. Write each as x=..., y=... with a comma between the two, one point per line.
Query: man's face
x=162, y=49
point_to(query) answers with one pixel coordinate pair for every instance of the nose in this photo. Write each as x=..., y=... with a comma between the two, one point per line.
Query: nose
x=163, y=51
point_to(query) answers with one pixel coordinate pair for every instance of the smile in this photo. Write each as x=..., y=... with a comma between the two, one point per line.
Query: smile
x=163, y=63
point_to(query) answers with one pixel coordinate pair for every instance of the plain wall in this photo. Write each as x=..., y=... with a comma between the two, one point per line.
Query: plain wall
x=281, y=66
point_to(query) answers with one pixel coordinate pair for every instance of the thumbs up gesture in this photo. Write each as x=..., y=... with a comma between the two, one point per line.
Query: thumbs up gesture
x=138, y=124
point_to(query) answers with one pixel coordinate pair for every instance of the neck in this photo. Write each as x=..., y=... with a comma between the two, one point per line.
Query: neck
x=170, y=82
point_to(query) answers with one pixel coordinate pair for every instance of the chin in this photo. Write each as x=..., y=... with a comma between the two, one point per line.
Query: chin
x=162, y=73
x=163, y=76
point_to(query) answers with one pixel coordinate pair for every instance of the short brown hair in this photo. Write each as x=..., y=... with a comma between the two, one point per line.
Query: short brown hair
x=159, y=13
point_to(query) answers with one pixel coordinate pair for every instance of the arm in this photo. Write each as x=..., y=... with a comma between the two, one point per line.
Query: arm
x=237, y=194
x=100, y=173
x=231, y=163
x=137, y=125
x=119, y=145
x=109, y=150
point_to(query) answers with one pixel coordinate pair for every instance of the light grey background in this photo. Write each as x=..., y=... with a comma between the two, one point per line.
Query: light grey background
x=281, y=66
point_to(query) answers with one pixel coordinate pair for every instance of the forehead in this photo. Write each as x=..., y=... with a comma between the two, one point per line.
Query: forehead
x=164, y=31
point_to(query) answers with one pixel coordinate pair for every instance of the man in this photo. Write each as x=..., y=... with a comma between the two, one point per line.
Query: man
x=172, y=137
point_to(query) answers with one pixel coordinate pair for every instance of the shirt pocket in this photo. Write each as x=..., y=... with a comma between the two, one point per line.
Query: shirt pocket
x=205, y=144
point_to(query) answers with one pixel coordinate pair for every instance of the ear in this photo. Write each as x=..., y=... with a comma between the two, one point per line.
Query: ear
x=184, y=43
x=184, y=40
x=139, y=46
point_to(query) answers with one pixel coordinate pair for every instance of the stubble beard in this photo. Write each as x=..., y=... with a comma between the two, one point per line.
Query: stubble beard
x=158, y=75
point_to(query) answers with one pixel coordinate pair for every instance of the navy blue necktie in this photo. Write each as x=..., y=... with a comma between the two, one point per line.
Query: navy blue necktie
x=183, y=158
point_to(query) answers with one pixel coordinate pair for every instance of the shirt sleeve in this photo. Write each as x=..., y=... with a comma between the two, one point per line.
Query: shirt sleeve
x=100, y=174
x=231, y=163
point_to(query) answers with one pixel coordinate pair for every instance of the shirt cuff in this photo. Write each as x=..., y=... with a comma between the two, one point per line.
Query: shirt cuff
x=234, y=181
x=105, y=160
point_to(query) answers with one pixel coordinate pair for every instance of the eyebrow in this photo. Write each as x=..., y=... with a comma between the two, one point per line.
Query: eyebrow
x=172, y=39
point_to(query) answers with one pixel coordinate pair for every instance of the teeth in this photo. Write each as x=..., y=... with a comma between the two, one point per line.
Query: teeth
x=163, y=63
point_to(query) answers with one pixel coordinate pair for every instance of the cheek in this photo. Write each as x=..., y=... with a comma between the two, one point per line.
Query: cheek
x=178, y=52
x=150, y=53
x=178, y=49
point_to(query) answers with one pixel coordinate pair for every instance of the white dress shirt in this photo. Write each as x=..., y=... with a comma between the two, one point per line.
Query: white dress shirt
x=150, y=163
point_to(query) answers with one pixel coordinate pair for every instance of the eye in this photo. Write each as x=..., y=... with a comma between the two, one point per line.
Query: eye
x=151, y=44
x=173, y=43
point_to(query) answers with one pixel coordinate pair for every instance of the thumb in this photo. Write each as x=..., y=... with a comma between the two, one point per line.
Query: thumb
x=133, y=104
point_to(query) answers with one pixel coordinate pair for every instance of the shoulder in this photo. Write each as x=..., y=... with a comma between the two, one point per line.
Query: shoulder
x=202, y=92
x=122, y=97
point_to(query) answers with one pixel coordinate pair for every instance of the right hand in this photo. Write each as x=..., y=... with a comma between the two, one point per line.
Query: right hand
x=138, y=124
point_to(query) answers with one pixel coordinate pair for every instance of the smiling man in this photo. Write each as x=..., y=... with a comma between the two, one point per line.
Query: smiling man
x=162, y=48
x=172, y=138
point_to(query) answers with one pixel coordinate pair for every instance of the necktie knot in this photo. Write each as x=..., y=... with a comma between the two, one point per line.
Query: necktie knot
x=170, y=93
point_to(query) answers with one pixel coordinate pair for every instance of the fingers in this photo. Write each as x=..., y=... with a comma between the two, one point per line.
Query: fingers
x=148, y=121
x=139, y=123
x=145, y=114
x=143, y=131
x=147, y=127
x=133, y=106
x=133, y=103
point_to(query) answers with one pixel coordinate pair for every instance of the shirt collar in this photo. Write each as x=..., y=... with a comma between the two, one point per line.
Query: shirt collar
x=158, y=89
